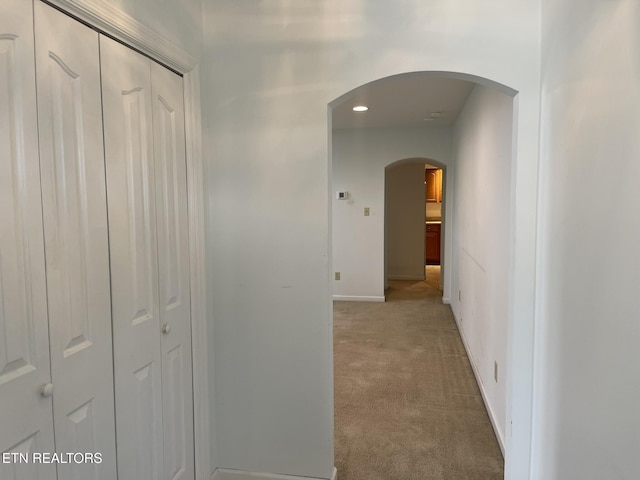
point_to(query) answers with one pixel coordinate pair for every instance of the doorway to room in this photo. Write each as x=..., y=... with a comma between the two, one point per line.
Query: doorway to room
x=433, y=225
x=414, y=221
x=473, y=139
x=433, y=214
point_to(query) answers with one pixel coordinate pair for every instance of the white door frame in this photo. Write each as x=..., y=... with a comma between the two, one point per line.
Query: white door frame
x=130, y=31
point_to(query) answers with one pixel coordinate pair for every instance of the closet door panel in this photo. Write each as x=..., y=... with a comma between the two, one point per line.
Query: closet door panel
x=173, y=271
x=132, y=227
x=76, y=241
x=26, y=418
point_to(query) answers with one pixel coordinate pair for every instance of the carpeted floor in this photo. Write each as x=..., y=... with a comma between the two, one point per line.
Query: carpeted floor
x=407, y=406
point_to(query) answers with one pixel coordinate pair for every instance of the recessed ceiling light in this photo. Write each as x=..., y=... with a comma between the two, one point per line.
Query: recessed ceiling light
x=360, y=108
x=436, y=114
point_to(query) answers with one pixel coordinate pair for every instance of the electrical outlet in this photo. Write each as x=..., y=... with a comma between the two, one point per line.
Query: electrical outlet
x=337, y=275
x=459, y=295
x=495, y=371
x=366, y=211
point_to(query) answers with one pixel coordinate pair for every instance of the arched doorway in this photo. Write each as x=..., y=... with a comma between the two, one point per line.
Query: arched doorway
x=480, y=258
x=410, y=216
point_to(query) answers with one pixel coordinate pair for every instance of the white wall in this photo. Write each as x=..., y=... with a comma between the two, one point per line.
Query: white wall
x=588, y=381
x=359, y=160
x=404, y=221
x=271, y=68
x=482, y=152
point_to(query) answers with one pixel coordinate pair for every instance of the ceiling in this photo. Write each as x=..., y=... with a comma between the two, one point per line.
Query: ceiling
x=404, y=101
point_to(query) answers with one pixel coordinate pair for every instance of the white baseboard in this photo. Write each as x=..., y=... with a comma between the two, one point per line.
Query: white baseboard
x=229, y=474
x=492, y=415
x=406, y=277
x=446, y=300
x=358, y=298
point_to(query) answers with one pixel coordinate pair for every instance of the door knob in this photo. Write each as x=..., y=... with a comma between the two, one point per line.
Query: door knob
x=166, y=328
x=46, y=390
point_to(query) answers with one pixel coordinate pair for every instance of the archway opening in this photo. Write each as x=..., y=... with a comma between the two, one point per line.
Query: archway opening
x=464, y=125
x=415, y=221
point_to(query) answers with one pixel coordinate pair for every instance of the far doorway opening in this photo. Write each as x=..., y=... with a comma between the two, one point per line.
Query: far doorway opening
x=414, y=221
x=433, y=214
x=474, y=142
x=433, y=195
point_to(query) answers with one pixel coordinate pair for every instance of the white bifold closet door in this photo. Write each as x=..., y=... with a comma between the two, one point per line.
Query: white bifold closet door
x=76, y=241
x=147, y=199
x=26, y=422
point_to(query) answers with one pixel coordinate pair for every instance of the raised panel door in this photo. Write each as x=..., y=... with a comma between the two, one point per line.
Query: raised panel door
x=127, y=100
x=173, y=272
x=76, y=241
x=430, y=180
x=26, y=418
x=432, y=244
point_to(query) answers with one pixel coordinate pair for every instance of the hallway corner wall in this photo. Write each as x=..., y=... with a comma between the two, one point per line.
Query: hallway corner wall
x=588, y=362
x=482, y=240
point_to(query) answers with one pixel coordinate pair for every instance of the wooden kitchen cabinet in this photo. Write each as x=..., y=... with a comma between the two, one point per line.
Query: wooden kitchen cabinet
x=433, y=185
x=432, y=244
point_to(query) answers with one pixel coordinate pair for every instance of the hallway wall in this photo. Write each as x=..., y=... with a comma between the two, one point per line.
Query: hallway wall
x=359, y=158
x=482, y=239
x=271, y=68
x=588, y=382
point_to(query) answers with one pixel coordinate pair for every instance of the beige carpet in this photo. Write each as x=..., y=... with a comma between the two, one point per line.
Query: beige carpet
x=406, y=403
